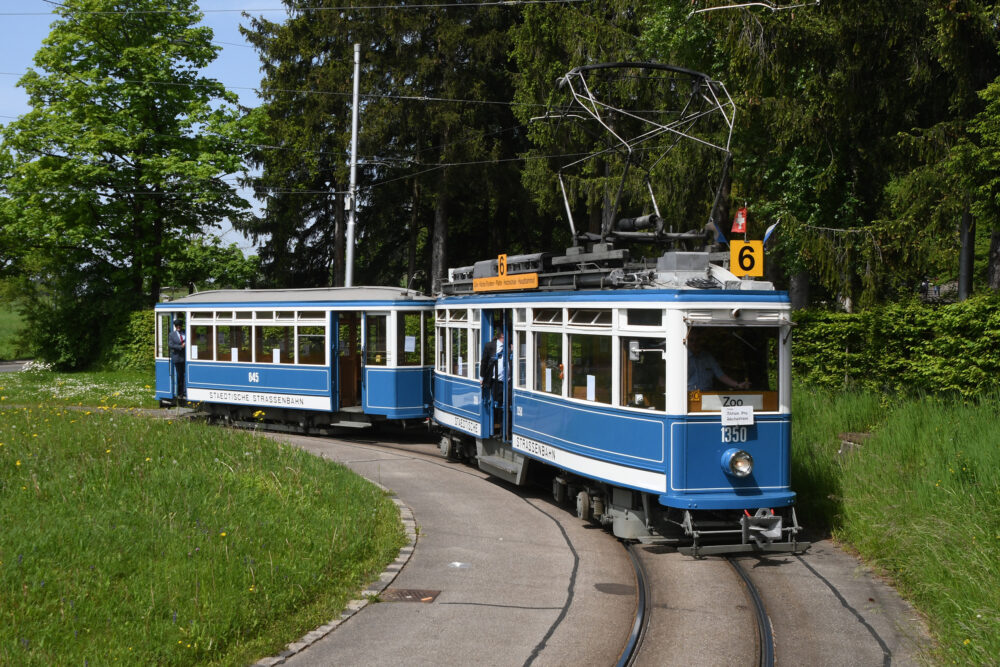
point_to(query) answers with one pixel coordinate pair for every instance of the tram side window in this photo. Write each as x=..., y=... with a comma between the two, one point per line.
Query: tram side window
x=459, y=351
x=548, y=362
x=233, y=343
x=408, y=338
x=590, y=367
x=165, y=327
x=521, y=363
x=377, y=340
x=743, y=360
x=201, y=344
x=442, y=350
x=644, y=373
x=311, y=342
x=474, y=353
x=274, y=345
x=350, y=335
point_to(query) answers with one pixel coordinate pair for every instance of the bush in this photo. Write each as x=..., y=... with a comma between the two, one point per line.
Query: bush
x=903, y=348
x=132, y=349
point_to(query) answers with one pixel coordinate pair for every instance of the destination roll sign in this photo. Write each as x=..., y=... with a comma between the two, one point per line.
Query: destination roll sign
x=503, y=281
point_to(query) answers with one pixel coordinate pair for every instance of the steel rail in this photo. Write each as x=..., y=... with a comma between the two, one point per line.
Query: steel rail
x=631, y=651
x=765, y=634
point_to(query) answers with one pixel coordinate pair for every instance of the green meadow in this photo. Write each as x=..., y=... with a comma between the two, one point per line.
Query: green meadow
x=131, y=539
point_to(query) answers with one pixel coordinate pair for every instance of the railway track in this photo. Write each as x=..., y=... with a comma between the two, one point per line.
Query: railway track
x=684, y=608
x=765, y=634
x=642, y=607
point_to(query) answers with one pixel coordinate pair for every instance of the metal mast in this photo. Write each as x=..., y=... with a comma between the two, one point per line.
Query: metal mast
x=352, y=197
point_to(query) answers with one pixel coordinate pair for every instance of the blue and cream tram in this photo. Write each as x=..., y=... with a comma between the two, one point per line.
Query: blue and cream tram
x=600, y=384
x=306, y=357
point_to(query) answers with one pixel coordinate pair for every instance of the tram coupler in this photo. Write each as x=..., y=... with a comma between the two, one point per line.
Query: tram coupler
x=760, y=533
x=763, y=527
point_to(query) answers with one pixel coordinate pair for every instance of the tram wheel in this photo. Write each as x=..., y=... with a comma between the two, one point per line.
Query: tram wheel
x=583, y=506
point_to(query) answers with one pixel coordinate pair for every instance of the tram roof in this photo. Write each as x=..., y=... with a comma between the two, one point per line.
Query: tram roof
x=306, y=295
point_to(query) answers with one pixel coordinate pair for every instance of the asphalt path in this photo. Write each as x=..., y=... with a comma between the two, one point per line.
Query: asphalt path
x=516, y=580
x=11, y=366
x=521, y=581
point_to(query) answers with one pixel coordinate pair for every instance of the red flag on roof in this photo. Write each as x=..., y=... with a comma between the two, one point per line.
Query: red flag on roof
x=740, y=221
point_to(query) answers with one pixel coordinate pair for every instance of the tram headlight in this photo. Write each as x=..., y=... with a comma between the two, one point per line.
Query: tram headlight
x=737, y=462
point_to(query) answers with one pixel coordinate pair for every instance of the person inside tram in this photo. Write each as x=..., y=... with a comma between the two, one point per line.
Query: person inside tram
x=492, y=370
x=703, y=369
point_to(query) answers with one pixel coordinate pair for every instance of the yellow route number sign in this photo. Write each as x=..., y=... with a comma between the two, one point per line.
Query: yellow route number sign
x=746, y=258
x=505, y=281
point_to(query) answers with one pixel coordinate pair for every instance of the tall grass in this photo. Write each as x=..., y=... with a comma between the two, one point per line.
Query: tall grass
x=152, y=542
x=919, y=500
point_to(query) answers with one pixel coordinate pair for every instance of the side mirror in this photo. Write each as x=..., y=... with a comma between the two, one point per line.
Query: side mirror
x=634, y=354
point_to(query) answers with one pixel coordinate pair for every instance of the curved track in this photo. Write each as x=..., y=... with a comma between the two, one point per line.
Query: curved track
x=631, y=650
x=765, y=634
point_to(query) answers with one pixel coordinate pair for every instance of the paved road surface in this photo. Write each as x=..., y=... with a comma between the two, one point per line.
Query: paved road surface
x=521, y=581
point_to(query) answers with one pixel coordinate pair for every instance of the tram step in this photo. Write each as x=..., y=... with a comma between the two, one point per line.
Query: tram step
x=499, y=463
x=351, y=424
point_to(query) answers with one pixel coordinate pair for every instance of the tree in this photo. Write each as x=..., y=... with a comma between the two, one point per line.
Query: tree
x=850, y=128
x=438, y=181
x=204, y=263
x=303, y=153
x=550, y=41
x=121, y=159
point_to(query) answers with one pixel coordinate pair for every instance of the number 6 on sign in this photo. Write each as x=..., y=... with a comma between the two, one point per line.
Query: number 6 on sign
x=746, y=258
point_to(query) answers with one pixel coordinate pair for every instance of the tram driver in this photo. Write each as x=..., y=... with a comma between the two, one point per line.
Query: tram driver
x=703, y=369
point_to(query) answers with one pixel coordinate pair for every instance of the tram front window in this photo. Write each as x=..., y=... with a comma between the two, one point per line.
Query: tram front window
x=644, y=373
x=732, y=360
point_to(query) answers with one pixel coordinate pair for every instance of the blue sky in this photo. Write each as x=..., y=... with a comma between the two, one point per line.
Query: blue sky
x=237, y=66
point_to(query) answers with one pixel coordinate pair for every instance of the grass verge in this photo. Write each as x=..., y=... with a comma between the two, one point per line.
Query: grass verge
x=154, y=542
x=918, y=501
x=107, y=389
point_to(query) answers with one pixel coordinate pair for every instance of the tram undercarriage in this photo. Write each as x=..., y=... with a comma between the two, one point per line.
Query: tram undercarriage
x=633, y=515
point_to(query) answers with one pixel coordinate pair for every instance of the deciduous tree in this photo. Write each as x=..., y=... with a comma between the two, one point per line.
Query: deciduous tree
x=122, y=157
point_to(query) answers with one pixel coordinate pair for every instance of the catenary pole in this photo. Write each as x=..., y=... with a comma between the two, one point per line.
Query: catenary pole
x=352, y=197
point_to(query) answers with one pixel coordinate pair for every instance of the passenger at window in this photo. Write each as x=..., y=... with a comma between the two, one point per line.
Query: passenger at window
x=703, y=369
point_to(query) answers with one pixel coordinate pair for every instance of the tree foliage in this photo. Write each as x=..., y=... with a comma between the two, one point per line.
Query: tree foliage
x=436, y=184
x=853, y=128
x=121, y=158
x=205, y=263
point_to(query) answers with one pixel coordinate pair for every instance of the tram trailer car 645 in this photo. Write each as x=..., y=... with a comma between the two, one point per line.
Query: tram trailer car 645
x=307, y=359
x=656, y=394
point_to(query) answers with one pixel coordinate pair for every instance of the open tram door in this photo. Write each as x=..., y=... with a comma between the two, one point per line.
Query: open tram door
x=496, y=371
x=348, y=327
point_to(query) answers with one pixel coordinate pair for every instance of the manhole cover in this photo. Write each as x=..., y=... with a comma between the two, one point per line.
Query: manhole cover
x=408, y=595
